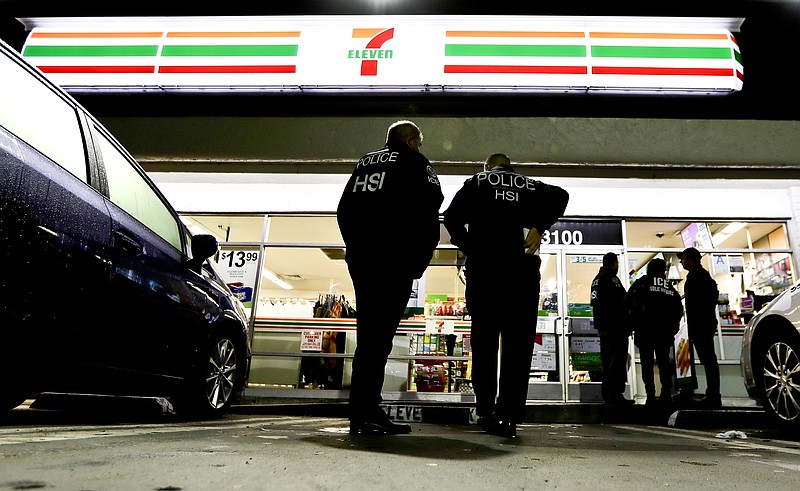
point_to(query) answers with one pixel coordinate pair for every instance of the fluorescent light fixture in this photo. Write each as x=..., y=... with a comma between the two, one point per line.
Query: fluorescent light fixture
x=276, y=279
x=724, y=234
x=732, y=228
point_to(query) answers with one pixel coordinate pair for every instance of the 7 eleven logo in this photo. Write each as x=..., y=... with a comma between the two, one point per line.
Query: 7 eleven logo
x=373, y=52
x=440, y=326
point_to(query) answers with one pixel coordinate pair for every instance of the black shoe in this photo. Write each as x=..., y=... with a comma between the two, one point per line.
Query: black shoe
x=619, y=401
x=380, y=424
x=486, y=422
x=506, y=429
x=710, y=402
x=665, y=400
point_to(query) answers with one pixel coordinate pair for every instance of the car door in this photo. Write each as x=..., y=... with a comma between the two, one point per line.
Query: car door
x=160, y=320
x=54, y=225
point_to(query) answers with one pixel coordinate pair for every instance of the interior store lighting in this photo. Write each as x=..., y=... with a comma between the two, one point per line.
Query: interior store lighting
x=276, y=279
x=724, y=234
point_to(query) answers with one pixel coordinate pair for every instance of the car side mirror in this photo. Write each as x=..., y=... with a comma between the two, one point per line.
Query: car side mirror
x=203, y=247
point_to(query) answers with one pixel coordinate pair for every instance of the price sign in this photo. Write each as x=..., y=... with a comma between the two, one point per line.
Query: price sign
x=238, y=269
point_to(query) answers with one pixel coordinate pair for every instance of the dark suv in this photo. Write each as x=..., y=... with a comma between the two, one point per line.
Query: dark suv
x=103, y=290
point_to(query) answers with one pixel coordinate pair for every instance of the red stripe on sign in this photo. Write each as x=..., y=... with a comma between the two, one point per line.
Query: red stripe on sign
x=229, y=69
x=740, y=75
x=96, y=69
x=633, y=70
x=571, y=70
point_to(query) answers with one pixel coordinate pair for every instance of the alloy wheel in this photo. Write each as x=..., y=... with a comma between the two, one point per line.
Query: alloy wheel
x=221, y=374
x=782, y=381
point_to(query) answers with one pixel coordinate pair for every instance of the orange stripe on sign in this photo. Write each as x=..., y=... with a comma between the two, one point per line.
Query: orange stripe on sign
x=254, y=34
x=514, y=34
x=655, y=35
x=96, y=34
x=96, y=69
x=367, y=33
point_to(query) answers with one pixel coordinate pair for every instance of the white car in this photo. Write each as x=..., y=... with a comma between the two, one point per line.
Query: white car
x=771, y=358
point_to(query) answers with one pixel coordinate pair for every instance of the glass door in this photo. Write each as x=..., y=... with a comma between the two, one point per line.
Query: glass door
x=566, y=365
x=582, y=365
x=547, y=374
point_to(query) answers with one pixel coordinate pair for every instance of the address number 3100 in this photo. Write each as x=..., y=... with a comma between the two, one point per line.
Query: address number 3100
x=562, y=237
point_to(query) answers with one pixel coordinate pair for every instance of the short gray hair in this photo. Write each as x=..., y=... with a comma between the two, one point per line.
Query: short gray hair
x=403, y=129
x=496, y=159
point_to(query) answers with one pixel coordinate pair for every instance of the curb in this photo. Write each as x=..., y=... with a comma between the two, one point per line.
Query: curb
x=436, y=413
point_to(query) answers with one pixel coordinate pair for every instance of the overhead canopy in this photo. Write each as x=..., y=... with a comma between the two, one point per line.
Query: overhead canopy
x=380, y=54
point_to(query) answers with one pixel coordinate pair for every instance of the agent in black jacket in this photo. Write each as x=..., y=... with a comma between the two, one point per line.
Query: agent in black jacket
x=702, y=295
x=611, y=321
x=487, y=220
x=389, y=219
x=656, y=311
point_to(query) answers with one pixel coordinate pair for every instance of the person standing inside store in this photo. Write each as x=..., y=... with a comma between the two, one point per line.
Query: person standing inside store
x=701, y=295
x=611, y=322
x=655, y=311
x=388, y=216
x=487, y=221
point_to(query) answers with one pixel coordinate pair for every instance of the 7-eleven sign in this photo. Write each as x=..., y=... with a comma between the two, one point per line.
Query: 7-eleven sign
x=440, y=326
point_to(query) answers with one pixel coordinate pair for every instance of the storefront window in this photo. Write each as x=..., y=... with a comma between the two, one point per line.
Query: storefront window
x=290, y=270
x=750, y=261
x=227, y=228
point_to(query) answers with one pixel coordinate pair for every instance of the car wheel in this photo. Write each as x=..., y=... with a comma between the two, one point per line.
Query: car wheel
x=210, y=392
x=779, y=381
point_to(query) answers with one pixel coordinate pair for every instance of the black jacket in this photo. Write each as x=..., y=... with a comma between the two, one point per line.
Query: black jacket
x=488, y=214
x=607, y=298
x=389, y=210
x=702, y=295
x=655, y=309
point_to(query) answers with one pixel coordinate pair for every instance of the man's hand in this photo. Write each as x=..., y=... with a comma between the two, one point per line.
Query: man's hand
x=532, y=241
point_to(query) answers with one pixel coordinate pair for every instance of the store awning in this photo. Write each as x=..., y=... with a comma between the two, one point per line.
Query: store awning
x=384, y=54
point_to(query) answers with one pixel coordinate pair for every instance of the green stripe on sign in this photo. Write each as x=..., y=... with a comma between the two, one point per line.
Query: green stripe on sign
x=659, y=52
x=514, y=50
x=144, y=50
x=737, y=56
x=231, y=50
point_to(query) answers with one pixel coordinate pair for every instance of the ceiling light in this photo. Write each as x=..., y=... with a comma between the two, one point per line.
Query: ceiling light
x=276, y=279
x=724, y=234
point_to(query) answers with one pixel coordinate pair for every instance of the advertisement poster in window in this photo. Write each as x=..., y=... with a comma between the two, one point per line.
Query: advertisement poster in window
x=238, y=269
x=684, y=363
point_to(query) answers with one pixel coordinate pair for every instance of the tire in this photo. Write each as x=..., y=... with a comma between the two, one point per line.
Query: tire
x=778, y=370
x=211, y=390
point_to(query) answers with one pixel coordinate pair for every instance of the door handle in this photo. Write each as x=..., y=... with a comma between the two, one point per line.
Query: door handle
x=127, y=243
x=569, y=324
x=555, y=325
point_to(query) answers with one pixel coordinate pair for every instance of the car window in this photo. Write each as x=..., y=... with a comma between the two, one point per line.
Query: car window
x=45, y=120
x=131, y=192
